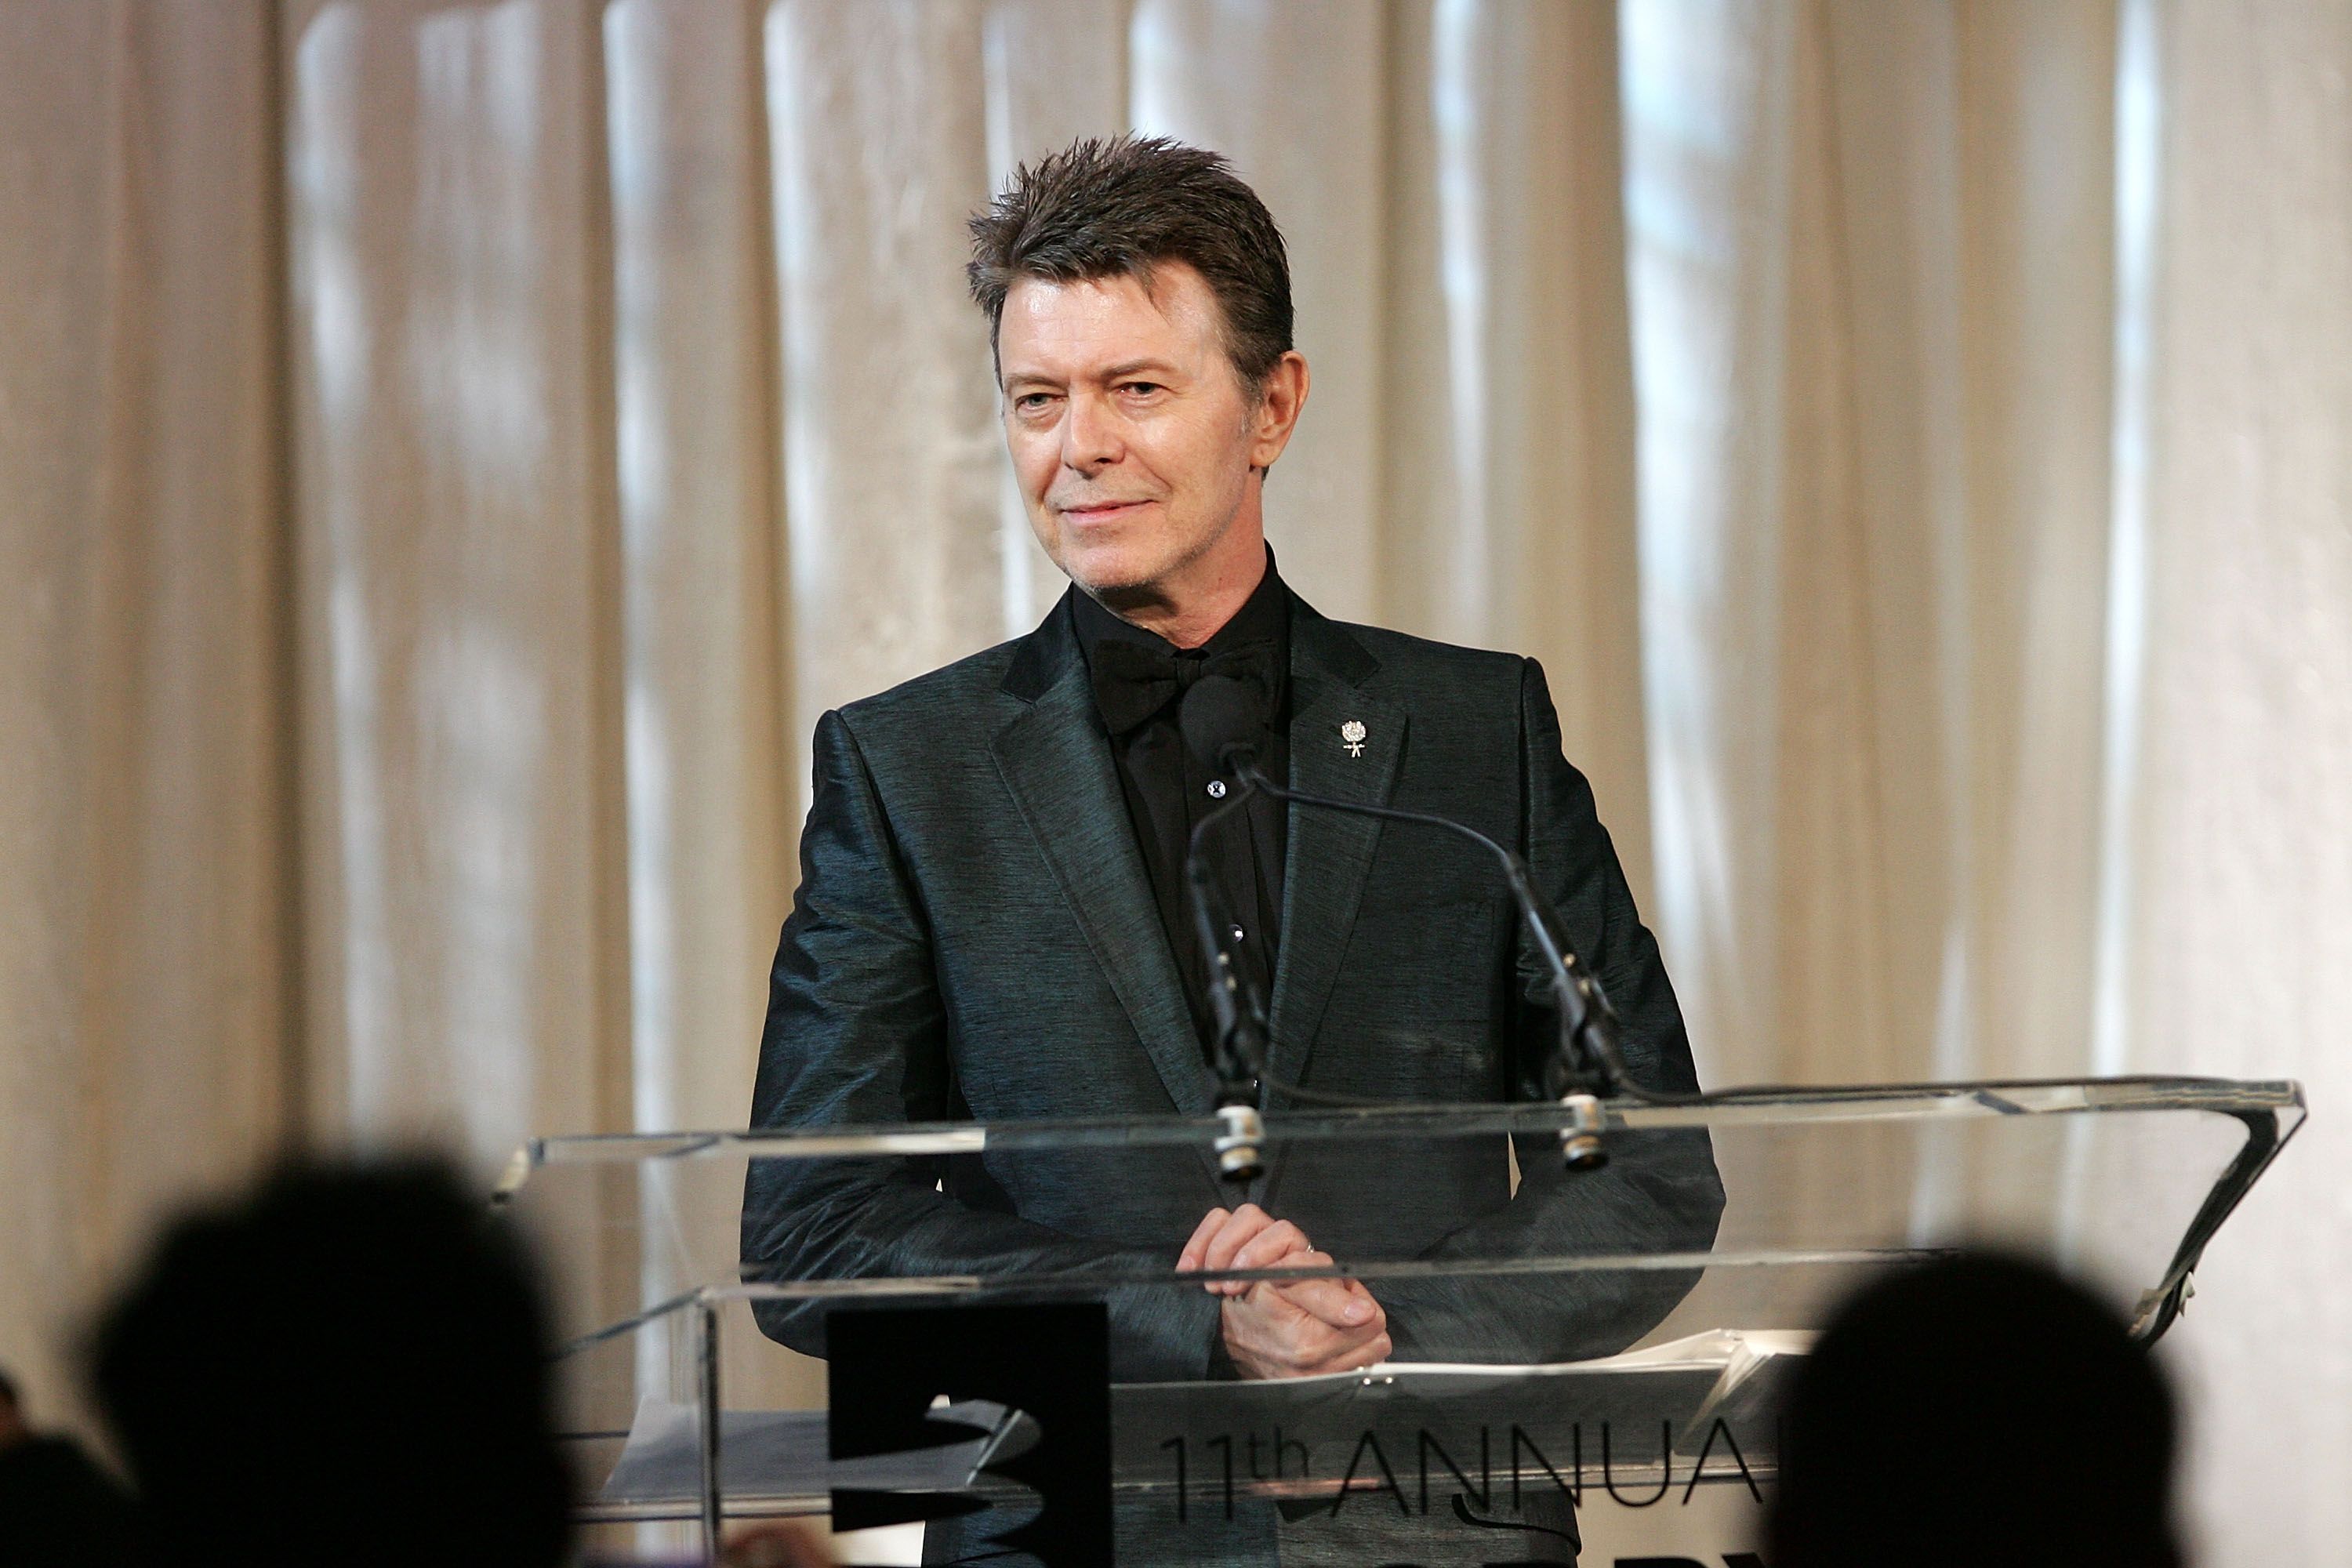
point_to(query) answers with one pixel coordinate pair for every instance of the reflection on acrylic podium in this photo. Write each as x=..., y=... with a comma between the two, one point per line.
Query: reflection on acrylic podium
x=1608, y=1350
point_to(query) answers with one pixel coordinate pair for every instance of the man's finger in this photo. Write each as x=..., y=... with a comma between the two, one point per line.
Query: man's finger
x=1244, y=1223
x=1189, y=1261
x=1329, y=1302
x=1271, y=1248
x=1338, y=1303
x=1335, y=1309
x=1342, y=1303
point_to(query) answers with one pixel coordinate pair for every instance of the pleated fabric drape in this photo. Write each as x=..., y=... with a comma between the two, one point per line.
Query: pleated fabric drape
x=451, y=450
x=148, y=839
x=1871, y=264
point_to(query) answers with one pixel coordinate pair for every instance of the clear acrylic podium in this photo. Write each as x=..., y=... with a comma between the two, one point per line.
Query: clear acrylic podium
x=1572, y=1341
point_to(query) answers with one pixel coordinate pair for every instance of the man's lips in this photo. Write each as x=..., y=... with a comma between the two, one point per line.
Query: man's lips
x=1101, y=510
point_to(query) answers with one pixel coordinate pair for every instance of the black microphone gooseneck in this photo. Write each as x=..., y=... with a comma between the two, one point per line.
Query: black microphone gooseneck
x=1223, y=705
x=1216, y=719
x=1237, y=1053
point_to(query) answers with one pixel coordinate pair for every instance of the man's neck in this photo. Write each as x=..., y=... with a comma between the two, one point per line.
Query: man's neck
x=1189, y=616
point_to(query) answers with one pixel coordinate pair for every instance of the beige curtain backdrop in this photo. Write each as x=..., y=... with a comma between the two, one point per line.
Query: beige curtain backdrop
x=450, y=453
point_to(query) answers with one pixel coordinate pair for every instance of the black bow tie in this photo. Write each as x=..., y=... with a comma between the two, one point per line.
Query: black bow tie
x=1134, y=680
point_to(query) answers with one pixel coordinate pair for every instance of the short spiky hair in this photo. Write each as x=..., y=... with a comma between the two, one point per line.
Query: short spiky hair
x=1119, y=208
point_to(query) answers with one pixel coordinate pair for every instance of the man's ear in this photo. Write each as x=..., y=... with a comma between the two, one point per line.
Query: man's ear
x=1281, y=397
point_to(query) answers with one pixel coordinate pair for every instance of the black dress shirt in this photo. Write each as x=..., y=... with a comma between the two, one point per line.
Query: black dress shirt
x=1169, y=790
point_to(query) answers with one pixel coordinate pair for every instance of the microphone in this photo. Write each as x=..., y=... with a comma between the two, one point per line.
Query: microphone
x=1219, y=717
x=1221, y=711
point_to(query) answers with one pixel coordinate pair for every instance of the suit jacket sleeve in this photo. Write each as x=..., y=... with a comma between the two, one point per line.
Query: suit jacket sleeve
x=1660, y=1191
x=858, y=1032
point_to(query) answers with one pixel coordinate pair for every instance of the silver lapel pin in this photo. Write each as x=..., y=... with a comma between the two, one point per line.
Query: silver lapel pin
x=1352, y=733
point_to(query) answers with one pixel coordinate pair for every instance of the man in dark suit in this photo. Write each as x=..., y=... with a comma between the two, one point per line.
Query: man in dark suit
x=991, y=921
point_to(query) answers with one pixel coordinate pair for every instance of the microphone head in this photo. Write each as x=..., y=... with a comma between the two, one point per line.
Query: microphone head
x=1219, y=715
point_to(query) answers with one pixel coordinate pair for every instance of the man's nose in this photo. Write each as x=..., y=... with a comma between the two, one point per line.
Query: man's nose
x=1090, y=437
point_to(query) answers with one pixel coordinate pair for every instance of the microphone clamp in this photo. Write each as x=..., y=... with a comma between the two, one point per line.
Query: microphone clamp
x=1239, y=1158
x=1580, y=1141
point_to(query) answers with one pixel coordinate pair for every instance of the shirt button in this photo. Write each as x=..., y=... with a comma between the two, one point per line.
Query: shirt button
x=1216, y=789
x=1237, y=933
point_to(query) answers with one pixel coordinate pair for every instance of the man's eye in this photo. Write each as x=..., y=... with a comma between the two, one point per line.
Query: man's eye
x=1031, y=402
x=1141, y=387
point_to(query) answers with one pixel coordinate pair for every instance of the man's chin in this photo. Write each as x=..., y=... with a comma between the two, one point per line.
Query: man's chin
x=1112, y=574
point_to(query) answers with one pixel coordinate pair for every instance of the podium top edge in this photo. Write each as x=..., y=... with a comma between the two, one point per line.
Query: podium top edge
x=2279, y=1099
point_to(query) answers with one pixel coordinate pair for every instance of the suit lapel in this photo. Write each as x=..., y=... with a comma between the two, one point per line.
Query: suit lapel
x=1058, y=767
x=1331, y=852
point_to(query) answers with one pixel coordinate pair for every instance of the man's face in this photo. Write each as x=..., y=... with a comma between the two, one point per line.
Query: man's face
x=1132, y=435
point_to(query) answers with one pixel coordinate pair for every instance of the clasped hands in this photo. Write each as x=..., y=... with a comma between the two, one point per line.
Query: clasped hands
x=1283, y=1327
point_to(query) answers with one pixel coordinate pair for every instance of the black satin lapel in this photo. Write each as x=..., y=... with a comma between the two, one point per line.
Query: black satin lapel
x=1330, y=852
x=1058, y=767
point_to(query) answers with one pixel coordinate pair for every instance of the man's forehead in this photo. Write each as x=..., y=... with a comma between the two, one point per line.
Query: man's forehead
x=1099, y=323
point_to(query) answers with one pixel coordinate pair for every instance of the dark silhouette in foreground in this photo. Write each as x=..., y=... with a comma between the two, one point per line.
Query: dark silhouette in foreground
x=1978, y=1409
x=57, y=1508
x=349, y=1366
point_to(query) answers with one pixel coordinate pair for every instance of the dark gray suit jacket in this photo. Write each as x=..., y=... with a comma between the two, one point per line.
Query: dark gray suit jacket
x=975, y=935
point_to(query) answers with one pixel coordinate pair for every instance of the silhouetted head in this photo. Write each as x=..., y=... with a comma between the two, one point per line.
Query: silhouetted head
x=1976, y=1410
x=349, y=1366
x=13, y=1429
